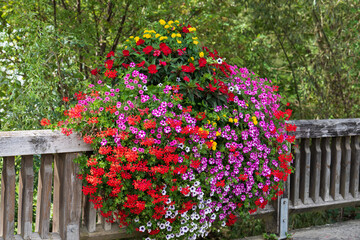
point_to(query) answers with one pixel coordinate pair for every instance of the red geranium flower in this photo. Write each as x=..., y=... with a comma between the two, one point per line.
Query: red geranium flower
x=186, y=79
x=110, y=54
x=148, y=49
x=140, y=64
x=202, y=62
x=126, y=53
x=139, y=42
x=94, y=71
x=165, y=49
x=109, y=64
x=152, y=69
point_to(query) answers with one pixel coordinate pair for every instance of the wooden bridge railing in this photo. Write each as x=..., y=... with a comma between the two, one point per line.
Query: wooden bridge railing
x=326, y=176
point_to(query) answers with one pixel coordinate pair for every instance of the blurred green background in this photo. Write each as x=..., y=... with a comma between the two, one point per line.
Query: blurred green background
x=309, y=48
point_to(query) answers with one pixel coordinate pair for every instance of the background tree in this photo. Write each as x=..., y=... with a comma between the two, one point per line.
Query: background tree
x=309, y=48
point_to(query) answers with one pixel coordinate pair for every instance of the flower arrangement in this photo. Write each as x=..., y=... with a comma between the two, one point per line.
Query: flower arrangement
x=182, y=140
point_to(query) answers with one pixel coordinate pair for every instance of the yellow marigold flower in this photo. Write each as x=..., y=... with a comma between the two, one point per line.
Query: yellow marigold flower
x=173, y=35
x=170, y=22
x=192, y=58
x=218, y=118
x=224, y=115
x=235, y=120
x=208, y=121
x=196, y=42
x=136, y=39
x=166, y=26
x=125, y=47
x=200, y=129
x=162, y=38
x=231, y=120
x=247, y=104
x=176, y=21
x=201, y=54
x=147, y=36
x=218, y=133
x=194, y=38
x=192, y=29
x=157, y=35
x=178, y=41
x=254, y=120
x=162, y=22
x=178, y=34
x=127, y=40
x=131, y=37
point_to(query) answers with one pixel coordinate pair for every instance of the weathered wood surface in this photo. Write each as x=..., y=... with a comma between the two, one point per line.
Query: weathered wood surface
x=355, y=164
x=89, y=215
x=39, y=142
x=335, y=168
x=295, y=177
x=327, y=128
x=315, y=169
x=68, y=200
x=345, y=167
x=44, y=196
x=305, y=157
x=325, y=168
x=26, y=190
x=7, y=204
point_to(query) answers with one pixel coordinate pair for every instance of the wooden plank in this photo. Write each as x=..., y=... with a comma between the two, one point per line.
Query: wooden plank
x=295, y=178
x=39, y=142
x=345, y=167
x=355, y=164
x=89, y=215
x=105, y=225
x=326, y=128
x=325, y=168
x=68, y=206
x=44, y=196
x=305, y=170
x=7, y=204
x=335, y=168
x=26, y=192
x=315, y=169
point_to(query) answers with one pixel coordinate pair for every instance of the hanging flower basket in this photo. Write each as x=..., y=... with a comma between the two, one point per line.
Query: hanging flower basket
x=182, y=140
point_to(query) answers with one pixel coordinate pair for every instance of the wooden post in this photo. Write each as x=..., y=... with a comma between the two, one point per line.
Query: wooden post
x=325, y=168
x=295, y=177
x=44, y=196
x=89, y=215
x=355, y=164
x=7, y=204
x=305, y=170
x=68, y=197
x=26, y=190
x=315, y=169
x=335, y=168
x=345, y=168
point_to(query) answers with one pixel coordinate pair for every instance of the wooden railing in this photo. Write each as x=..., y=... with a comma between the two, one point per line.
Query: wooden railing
x=326, y=176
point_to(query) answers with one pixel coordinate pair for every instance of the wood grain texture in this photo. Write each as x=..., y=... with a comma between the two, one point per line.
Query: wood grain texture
x=44, y=196
x=295, y=177
x=39, y=142
x=355, y=164
x=89, y=215
x=26, y=192
x=315, y=169
x=68, y=206
x=325, y=169
x=326, y=128
x=335, y=168
x=7, y=204
x=305, y=170
x=345, y=167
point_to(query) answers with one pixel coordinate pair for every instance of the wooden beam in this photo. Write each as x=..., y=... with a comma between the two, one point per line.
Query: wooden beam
x=39, y=142
x=7, y=204
x=326, y=128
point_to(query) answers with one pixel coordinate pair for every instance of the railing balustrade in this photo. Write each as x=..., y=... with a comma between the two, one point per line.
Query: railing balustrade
x=327, y=167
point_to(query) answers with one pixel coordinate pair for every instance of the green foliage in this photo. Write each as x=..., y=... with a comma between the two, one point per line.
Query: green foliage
x=309, y=48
